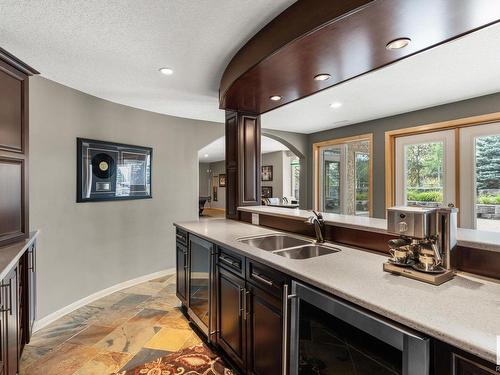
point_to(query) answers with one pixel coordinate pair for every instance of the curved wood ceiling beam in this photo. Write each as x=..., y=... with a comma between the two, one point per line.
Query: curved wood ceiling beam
x=344, y=38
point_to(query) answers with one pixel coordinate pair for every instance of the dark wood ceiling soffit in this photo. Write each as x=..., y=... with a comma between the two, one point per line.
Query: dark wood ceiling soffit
x=12, y=60
x=342, y=38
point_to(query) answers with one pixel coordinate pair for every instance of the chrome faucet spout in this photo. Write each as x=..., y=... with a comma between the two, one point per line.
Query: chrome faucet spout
x=319, y=226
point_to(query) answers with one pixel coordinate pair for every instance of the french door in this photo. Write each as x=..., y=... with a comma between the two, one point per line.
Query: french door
x=480, y=177
x=425, y=169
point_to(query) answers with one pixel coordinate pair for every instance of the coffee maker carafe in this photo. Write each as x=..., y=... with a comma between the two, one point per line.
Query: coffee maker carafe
x=426, y=245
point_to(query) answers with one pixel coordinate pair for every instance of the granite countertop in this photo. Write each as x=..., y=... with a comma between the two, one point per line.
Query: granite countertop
x=478, y=239
x=463, y=312
x=10, y=254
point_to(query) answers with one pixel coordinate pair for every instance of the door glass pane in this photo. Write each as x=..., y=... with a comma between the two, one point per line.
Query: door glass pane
x=329, y=346
x=199, y=281
x=362, y=184
x=331, y=179
x=345, y=178
x=487, y=159
x=424, y=173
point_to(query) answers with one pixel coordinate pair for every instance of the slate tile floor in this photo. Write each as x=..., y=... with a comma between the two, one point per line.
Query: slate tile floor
x=117, y=332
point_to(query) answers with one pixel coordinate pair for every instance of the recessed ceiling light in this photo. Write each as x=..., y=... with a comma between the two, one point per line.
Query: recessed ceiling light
x=166, y=71
x=206, y=155
x=336, y=105
x=275, y=98
x=398, y=43
x=322, y=77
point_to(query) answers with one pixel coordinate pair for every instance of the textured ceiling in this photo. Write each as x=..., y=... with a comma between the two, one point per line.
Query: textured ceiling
x=113, y=48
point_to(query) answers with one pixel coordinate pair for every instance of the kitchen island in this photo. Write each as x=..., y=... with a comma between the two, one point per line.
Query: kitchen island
x=463, y=312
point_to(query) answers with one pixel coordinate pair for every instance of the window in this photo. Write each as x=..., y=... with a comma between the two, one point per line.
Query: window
x=425, y=169
x=343, y=175
x=480, y=177
x=422, y=169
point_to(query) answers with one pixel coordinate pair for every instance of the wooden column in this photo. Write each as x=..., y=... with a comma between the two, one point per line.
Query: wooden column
x=242, y=161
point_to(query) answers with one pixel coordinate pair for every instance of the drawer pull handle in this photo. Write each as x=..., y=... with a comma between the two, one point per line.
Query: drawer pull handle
x=229, y=261
x=180, y=237
x=262, y=279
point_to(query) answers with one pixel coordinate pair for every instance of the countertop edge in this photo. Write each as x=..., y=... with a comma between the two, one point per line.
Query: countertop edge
x=461, y=343
x=461, y=241
x=17, y=249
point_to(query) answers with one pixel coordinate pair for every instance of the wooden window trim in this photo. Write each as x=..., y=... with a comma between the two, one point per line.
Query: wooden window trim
x=316, y=148
x=390, y=148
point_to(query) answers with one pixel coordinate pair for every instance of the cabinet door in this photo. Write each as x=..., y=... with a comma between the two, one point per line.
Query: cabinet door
x=31, y=285
x=449, y=360
x=265, y=332
x=181, y=272
x=463, y=366
x=3, y=332
x=231, y=315
x=10, y=292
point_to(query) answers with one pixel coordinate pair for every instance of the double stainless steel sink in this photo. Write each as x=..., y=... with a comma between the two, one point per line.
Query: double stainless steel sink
x=289, y=246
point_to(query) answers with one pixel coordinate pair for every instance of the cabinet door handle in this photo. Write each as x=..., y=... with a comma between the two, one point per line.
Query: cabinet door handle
x=245, y=307
x=229, y=261
x=32, y=260
x=284, y=356
x=262, y=279
x=240, y=306
x=185, y=260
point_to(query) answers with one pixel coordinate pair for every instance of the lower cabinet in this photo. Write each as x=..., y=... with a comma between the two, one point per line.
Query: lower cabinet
x=250, y=320
x=449, y=360
x=17, y=310
x=231, y=318
x=181, y=274
x=10, y=317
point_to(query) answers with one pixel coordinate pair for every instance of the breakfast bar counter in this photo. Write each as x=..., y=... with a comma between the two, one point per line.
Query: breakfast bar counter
x=463, y=312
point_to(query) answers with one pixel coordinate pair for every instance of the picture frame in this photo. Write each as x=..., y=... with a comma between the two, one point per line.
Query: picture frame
x=267, y=191
x=110, y=171
x=266, y=173
x=222, y=180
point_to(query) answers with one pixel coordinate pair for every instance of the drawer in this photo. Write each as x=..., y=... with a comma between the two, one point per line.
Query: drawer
x=231, y=261
x=265, y=277
x=181, y=236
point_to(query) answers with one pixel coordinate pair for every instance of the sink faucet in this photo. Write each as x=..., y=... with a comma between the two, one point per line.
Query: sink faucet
x=319, y=226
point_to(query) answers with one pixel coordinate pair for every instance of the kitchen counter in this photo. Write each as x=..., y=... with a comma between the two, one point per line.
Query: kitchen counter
x=477, y=239
x=10, y=254
x=464, y=312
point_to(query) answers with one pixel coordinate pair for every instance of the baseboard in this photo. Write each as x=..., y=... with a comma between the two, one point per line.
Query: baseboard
x=45, y=321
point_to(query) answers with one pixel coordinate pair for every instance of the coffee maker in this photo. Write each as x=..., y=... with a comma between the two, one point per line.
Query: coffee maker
x=425, y=249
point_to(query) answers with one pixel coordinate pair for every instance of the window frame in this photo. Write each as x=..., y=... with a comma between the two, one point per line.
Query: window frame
x=390, y=150
x=317, y=166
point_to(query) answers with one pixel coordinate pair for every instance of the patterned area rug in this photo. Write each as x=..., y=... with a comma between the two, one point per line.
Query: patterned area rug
x=195, y=360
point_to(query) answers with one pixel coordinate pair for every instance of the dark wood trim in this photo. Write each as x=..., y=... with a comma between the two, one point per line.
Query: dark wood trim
x=242, y=162
x=476, y=261
x=17, y=63
x=343, y=38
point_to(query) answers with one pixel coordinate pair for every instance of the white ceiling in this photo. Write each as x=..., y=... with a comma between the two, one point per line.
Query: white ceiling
x=216, y=149
x=113, y=48
x=462, y=69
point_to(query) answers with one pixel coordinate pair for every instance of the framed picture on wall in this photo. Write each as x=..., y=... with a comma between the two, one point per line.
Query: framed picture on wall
x=267, y=191
x=108, y=171
x=267, y=173
x=222, y=180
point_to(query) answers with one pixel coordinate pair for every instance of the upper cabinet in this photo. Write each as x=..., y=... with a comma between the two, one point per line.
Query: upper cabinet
x=14, y=88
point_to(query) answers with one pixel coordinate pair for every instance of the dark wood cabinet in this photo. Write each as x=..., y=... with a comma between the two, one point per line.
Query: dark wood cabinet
x=231, y=316
x=182, y=274
x=448, y=360
x=30, y=292
x=10, y=298
x=14, y=88
x=264, y=332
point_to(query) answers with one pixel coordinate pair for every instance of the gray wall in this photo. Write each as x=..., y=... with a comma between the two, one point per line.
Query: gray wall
x=86, y=247
x=465, y=108
x=218, y=168
x=299, y=144
x=204, y=180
